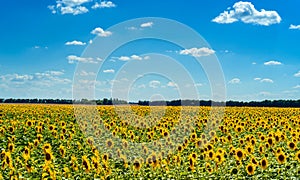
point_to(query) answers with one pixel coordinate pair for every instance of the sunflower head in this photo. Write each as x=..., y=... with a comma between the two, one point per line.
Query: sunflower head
x=250, y=168
x=281, y=158
x=264, y=163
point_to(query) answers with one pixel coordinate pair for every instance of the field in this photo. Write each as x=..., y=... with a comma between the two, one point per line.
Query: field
x=56, y=142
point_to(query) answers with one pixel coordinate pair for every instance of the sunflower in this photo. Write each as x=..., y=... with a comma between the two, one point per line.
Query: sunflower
x=219, y=158
x=11, y=129
x=62, y=151
x=95, y=162
x=249, y=149
x=48, y=157
x=36, y=142
x=11, y=147
x=86, y=163
x=261, y=149
x=291, y=145
x=239, y=154
x=61, y=137
x=105, y=157
x=39, y=137
x=26, y=154
x=208, y=168
x=199, y=143
x=264, y=163
x=250, y=168
x=29, y=123
x=281, y=158
x=8, y=160
x=137, y=165
x=270, y=141
x=109, y=143
x=211, y=154
x=47, y=147
x=179, y=148
x=297, y=156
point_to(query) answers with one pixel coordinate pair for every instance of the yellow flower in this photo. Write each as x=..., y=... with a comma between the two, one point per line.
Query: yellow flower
x=264, y=163
x=86, y=163
x=137, y=165
x=281, y=158
x=250, y=168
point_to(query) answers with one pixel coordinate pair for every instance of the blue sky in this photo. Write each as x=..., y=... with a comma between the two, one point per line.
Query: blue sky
x=255, y=42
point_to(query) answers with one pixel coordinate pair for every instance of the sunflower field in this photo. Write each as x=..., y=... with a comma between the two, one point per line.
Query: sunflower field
x=58, y=142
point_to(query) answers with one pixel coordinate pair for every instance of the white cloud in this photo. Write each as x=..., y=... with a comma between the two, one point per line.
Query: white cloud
x=133, y=57
x=198, y=85
x=103, y=4
x=47, y=78
x=297, y=87
x=90, y=41
x=267, y=80
x=197, y=52
x=85, y=73
x=263, y=80
x=136, y=57
x=253, y=63
x=246, y=12
x=76, y=43
x=72, y=59
x=269, y=63
x=109, y=71
x=154, y=84
x=257, y=79
x=100, y=32
x=294, y=27
x=124, y=58
x=74, y=10
x=52, y=9
x=172, y=84
x=234, y=81
x=147, y=24
x=76, y=7
x=297, y=74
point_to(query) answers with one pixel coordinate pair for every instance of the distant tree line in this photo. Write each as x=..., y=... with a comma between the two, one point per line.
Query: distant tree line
x=265, y=103
x=104, y=101
x=110, y=101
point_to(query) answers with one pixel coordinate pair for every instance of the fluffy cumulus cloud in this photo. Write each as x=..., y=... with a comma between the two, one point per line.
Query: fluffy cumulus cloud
x=109, y=71
x=234, y=81
x=75, y=43
x=197, y=52
x=76, y=7
x=246, y=12
x=264, y=80
x=100, y=32
x=133, y=57
x=270, y=63
x=297, y=74
x=154, y=84
x=147, y=24
x=292, y=26
x=72, y=59
x=39, y=78
x=103, y=4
